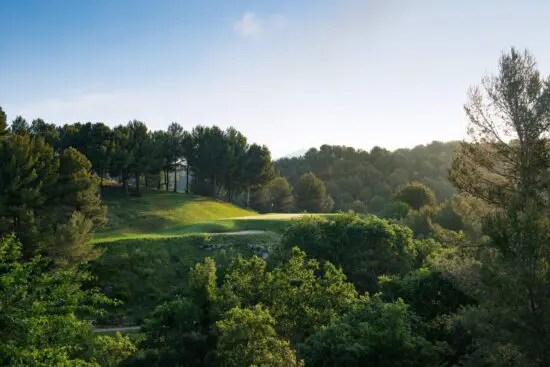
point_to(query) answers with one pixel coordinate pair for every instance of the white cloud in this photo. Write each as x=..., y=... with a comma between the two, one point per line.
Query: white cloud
x=250, y=25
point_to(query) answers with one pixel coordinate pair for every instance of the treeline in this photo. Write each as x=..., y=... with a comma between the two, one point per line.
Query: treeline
x=220, y=163
x=223, y=164
x=366, y=181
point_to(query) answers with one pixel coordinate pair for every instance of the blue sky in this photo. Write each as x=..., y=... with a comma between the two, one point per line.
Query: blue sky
x=288, y=74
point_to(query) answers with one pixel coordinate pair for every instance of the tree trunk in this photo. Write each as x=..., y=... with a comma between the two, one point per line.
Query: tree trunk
x=248, y=197
x=125, y=183
x=100, y=187
x=214, y=185
x=145, y=179
x=166, y=179
x=176, y=180
x=137, y=182
x=187, y=179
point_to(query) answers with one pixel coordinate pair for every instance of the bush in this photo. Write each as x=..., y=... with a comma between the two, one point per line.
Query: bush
x=373, y=334
x=364, y=248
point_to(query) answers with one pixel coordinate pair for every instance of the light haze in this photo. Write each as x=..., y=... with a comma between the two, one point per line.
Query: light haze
x=288, y=74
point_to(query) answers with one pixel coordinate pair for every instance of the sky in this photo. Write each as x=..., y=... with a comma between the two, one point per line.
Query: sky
x=288, y=74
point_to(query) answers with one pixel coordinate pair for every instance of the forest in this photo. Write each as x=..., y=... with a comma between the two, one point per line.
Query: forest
x=437, y=255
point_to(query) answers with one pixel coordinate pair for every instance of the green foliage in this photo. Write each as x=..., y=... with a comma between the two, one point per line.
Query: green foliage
x=505, y=165
x=298, y=297
x=514, y=289
x=3, y=122
x=41, y=310
x=109, y=351
x=301, y=294
x=416, y=195
x=248, y=338
x=359, y=206
x=395, y=210
x=19, y=126
x=143, y=273
x=48, y=198
x=140, y=141
x=364, y=248
x=428, y=292
x=72, y=242
x=174, y=336
x=372, y=177
x=373, y=334
x=311, y=195
x=421, y=221
x=122, y=155
x=276, y=196
x=507, y=153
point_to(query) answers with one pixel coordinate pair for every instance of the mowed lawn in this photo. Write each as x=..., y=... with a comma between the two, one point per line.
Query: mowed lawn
x=162, y=214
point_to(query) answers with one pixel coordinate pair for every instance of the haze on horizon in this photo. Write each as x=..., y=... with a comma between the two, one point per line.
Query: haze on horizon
x=287, y=74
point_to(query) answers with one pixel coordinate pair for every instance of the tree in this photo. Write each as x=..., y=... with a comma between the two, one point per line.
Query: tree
x=513, y=290
x=174, y=149
x=40, y=194
x=77, y=189
x=48, y=132
x=235, y=171
x=276, y=196
x=509, y=120
x=395, y=210
x=374, y=176
x=505, y=165
x=140, y=143
x=416, y=195
x=100, y=149
x=373, y=334
x=257, y=168
x=433, y=295
x=188, y=149
x=209, y=158
x=311, y=195
x=28, y=175
x=174, y=335
x=123, y=155
x=111, y=351
x=41, y=318
x=3, y=122
x=297, y=297
x=364, y=248
x=19, y=126
x=248, y=338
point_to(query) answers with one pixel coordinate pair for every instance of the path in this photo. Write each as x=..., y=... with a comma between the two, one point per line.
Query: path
x=124, y=329
x=239, y=233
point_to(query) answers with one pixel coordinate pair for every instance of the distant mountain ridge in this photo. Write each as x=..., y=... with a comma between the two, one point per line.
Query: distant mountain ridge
x=296, y=154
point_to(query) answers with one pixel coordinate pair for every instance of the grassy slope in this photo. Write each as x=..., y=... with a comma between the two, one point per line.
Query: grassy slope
x=161, y=214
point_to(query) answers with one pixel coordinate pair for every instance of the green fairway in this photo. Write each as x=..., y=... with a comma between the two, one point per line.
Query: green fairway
x=161, y=214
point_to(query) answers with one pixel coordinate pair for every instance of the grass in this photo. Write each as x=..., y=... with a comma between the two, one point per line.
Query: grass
x=160, y=214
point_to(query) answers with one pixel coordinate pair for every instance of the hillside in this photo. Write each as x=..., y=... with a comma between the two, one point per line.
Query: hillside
x=158, y=214
x=151, y=242
x=366, y=181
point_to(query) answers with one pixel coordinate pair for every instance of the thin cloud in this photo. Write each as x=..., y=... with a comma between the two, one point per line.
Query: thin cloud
x=249, y=25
